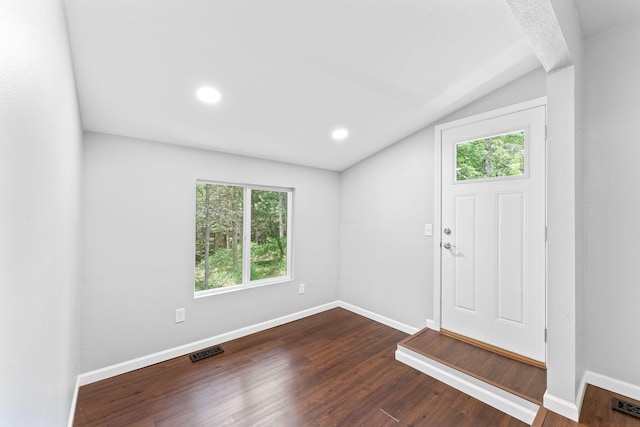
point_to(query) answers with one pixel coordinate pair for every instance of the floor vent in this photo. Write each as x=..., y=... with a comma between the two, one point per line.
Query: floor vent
x=207, y=352
x=625, y=407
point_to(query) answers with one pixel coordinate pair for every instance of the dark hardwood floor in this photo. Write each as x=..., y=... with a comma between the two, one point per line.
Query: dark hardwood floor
x=332, y=369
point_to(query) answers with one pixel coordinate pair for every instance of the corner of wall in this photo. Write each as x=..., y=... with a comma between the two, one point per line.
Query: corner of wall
x=614, y=385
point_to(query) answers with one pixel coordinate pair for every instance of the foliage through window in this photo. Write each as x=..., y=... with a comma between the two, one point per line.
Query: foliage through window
x=492, y=157
x=242, y=235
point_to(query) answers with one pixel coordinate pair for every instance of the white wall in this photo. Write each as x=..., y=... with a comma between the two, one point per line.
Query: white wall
x=386, y=262
x=139, y=225
x=40, y=154
x=612, y=153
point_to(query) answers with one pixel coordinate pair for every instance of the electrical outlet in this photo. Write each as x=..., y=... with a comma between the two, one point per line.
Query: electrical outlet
x=301, y=288
x=180, y=315
x=428, y=229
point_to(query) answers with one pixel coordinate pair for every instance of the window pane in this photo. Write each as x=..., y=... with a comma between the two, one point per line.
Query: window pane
x=268, y=234
x=492, y=157
x=219, y=211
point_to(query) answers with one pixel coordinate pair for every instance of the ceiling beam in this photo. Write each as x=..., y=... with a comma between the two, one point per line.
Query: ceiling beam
x=540, y=24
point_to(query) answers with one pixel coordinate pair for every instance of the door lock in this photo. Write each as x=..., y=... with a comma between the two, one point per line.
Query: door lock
x=447, y=231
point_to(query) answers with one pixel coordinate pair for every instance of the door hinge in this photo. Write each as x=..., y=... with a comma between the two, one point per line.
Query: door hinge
x=545, y=132
x=545, y=334
x=546, y=233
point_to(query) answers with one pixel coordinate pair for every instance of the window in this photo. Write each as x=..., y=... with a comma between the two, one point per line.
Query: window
x=242, y=236
x=492, y=157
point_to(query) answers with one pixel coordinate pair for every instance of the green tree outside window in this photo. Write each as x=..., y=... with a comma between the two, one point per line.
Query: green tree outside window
x=492, y=157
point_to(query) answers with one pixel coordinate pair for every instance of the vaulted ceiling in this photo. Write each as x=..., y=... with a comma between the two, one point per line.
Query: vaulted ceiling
x=289, y=72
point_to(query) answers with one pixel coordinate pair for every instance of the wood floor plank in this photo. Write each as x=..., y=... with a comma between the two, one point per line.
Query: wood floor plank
x=332, y=369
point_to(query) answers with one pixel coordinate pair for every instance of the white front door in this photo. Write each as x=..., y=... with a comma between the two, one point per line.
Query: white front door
x=493, y=231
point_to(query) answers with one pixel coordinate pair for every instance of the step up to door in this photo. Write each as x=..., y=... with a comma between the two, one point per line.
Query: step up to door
x=509, y=386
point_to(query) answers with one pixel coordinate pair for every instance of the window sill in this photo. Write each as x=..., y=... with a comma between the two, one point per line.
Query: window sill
x=236, y=288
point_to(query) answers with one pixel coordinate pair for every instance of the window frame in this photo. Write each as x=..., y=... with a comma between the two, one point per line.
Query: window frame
x=247, y=283
x=525, y=129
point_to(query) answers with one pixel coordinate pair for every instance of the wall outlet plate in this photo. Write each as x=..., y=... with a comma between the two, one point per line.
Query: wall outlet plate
x=301, y=288
x=180, y=315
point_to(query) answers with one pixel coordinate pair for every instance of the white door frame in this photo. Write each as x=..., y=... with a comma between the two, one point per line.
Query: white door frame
x=435, y=323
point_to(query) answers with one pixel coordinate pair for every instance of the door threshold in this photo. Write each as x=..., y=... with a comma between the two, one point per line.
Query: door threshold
x=494, y=349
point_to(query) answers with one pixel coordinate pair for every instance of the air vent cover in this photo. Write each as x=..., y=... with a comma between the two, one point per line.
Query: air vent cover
x=207, y=352
x=626, y=407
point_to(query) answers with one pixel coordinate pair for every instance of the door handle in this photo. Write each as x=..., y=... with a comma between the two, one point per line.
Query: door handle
x=448, y=246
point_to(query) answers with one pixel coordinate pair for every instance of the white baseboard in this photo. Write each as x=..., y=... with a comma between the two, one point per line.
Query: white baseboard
x=74, y=400
x=378, y=318
x=561, y=406
x=580, y=394
x=431, y=324
x=141, y=362
x=614, y=385
x=506, y=402
x=564, y=407
x=572, y=410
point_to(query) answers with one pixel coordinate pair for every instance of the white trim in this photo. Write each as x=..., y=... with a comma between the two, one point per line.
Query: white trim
x=74, y=401
x=614, y=385
x=566, y=408
x=580, y=394
x=508, y=403
x=237, y=288
x=560, y=406
x=437, y=231
x=521, y=106
x=141, y=362
x=378, y=318
x=431, y=324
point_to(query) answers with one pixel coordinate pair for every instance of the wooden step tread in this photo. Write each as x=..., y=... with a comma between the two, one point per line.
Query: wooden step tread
x=521, y=379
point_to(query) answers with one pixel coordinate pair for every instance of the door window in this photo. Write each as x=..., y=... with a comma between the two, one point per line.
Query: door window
x=491, y=157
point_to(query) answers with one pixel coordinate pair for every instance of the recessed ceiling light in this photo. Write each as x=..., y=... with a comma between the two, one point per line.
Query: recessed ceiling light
x=340, y=134
x=208, y=94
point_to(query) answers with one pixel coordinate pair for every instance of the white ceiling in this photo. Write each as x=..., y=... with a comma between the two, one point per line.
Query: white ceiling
x=597, y=16
x=290, y=71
